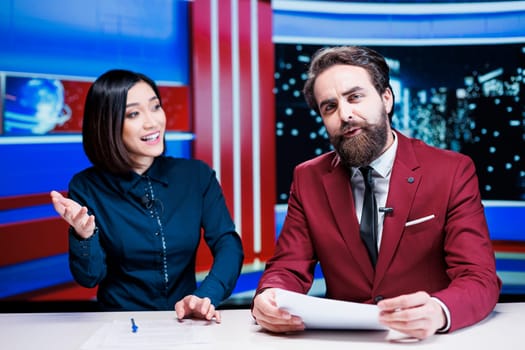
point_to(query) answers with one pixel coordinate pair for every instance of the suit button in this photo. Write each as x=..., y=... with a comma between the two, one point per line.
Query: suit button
x=378, y=298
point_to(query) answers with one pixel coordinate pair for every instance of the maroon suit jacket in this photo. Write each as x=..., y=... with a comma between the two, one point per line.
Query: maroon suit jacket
x=450, y=256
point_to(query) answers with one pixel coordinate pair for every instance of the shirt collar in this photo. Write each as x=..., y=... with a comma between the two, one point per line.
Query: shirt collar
x=155, y=173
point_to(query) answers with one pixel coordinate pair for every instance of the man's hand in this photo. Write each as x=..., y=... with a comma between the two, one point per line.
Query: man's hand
x=270, y=317
x=193, y=306
x=416, y=315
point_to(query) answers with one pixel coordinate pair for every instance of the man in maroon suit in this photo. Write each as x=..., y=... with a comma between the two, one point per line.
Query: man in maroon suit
x=391, y=220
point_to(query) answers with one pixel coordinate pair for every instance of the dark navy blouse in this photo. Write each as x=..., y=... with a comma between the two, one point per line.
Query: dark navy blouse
x=142, y=255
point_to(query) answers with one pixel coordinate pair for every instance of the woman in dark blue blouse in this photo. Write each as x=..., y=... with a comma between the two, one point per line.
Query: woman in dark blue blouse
x=137, y=215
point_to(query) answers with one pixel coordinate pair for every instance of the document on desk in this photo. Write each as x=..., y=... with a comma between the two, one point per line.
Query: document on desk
x=321, y=313
x=151, y=334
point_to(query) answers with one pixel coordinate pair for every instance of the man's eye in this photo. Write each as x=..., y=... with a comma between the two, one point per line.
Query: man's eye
x=328, y=108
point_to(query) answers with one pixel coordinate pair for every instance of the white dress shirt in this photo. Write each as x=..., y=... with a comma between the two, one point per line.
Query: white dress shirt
x=381, y=174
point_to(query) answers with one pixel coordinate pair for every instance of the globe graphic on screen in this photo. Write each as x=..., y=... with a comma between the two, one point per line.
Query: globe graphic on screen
x=34, y=105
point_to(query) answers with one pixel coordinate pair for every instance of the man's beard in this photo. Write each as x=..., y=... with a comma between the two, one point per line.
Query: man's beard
x=360, y=150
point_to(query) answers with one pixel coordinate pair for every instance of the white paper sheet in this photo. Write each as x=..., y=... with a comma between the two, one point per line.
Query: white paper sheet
x=151, y=334
x=321, y=313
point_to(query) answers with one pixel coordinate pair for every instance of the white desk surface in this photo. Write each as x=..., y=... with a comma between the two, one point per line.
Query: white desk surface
x=504, y=329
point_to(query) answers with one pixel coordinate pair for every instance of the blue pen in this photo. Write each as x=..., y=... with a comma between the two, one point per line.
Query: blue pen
x=134, y=327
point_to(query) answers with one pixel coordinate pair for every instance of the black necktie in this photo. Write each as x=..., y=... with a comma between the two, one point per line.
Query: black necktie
x=368, y=226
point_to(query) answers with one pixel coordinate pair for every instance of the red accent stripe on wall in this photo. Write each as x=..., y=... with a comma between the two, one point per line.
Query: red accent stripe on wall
x=63, y=292
x=17, y=202
x=225, y=97
x=32, y=240
x=267, y=108
x=202, y=83
x=508, y=246
x=175, y=103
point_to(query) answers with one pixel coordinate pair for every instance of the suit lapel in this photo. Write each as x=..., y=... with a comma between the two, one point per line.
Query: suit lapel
x=404, y=182
x=338, y=189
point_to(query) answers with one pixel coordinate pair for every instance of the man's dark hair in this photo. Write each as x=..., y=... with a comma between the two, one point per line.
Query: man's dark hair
x=366, y=58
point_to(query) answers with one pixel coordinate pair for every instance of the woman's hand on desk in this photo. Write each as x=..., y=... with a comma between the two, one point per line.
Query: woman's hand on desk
x=193, y=306
x=270, y=317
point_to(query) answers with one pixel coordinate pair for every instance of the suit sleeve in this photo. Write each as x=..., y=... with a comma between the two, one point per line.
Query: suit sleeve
x=475, y=286
x=294, y=260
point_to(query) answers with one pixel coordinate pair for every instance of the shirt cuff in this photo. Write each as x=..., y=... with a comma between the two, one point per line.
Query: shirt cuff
x=447, y=316
x=80, y=239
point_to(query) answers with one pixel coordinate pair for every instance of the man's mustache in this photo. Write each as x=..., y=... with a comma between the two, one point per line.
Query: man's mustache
x=352, y=124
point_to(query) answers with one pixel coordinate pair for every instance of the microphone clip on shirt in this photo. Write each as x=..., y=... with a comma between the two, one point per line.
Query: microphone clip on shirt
x=386, y=210
x=150, y=204
x=146, y=201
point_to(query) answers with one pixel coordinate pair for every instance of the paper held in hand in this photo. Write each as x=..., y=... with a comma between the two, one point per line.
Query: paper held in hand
x=321, y=313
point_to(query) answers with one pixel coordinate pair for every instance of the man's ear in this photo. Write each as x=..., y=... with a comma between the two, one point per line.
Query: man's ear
x=388, y=99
